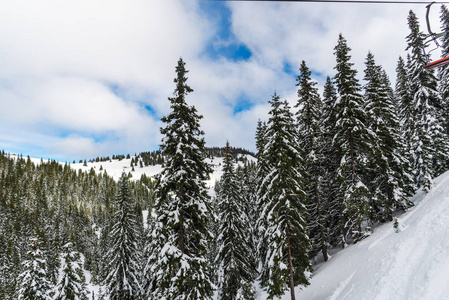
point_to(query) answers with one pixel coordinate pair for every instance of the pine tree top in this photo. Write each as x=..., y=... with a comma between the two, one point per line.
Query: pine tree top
x=345, y=79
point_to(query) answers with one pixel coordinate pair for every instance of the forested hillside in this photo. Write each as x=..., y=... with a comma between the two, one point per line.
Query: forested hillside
x=53, y=204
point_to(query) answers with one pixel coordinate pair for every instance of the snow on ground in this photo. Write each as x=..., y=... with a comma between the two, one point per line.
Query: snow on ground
x=116, y=167
x=412, y=264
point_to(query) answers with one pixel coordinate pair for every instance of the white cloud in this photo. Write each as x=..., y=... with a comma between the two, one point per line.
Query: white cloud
x=291, y=32
x=60, y=58
x=74, y=144
x=76, y=75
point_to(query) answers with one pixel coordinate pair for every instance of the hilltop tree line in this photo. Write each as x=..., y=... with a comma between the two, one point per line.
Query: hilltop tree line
x=151, y=158
x=327, y=172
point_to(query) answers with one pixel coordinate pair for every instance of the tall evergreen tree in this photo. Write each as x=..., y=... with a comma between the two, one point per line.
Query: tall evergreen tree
x=246, y=175
x=103, y=247
x=354, y=143
x=124, y=256
x=388, y=181
x=330, y=186
x=404, y=110
x=428, y=142
x=262, y=170
x=180, y=238
x=236, y=270
x=311, y=138
x=402, y=92
x=70, y=284
x=443, y=74
x=286, y=260
x=10, y=265
x=54, y=245
x=33, y=281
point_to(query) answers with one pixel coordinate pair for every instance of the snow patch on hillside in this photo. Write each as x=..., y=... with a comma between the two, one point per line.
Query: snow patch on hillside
x=412, y=264
x=115, y=168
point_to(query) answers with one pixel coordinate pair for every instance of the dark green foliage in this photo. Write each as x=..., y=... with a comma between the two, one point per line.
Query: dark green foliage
x=246, y=175
x=221, y=152
x=33, y=283
x=71, y=282
x=62, y=204
x=403, y=94
x=354, y=143
x=388, y=181
x=286, y=260
x=262, y=170
x=331, y=162
x=443, y=74
x=309, y=116
x=234, y=260
x=177, y=266
x=427, y=141
x=125, y=255
x=152, y=158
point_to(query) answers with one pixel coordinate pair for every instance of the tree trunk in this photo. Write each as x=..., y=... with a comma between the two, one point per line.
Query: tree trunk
x=290, y=265
x=320, y=218
x=181, y=236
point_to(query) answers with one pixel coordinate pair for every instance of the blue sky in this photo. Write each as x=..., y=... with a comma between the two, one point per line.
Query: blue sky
x=80, y=79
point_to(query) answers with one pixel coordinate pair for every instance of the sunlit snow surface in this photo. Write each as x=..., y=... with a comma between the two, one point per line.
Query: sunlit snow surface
x=410, y=264
x=115, y=168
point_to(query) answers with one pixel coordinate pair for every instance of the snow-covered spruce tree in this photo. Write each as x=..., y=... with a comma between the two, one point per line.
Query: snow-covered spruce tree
x=308, y=119
x=236, y=270
x=402, y=165
x=388, y=181
x=33, y=281
x=262, y=170
x=4, y=263
x=6, y=259
x=403, y=109
x=124, y=256
x=70, y=285
x=330, y=185
x=354, y=143
x=246, y=175
x=402, y=93
x=177, y=265
x=103, y=246
x=428, y=141
x=286, y=261
x=10, y=266
x=443, y=74
x=54, y=245
x=389, y=90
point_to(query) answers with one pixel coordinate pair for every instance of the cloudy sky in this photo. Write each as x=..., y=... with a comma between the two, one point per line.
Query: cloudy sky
x=80, y=79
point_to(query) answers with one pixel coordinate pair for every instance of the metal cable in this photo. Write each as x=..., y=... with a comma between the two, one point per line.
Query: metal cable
x=340, y=1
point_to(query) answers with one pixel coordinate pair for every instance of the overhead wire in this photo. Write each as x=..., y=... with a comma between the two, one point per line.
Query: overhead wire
x=340, y=1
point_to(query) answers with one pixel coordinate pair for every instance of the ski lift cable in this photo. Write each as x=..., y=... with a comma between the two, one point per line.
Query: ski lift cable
x=341, y=1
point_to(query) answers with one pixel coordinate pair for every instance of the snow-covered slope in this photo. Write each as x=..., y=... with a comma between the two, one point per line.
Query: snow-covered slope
x=115, y=168
x=410, y=264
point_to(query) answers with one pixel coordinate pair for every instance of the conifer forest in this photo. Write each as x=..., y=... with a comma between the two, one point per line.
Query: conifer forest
x=328, y=169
